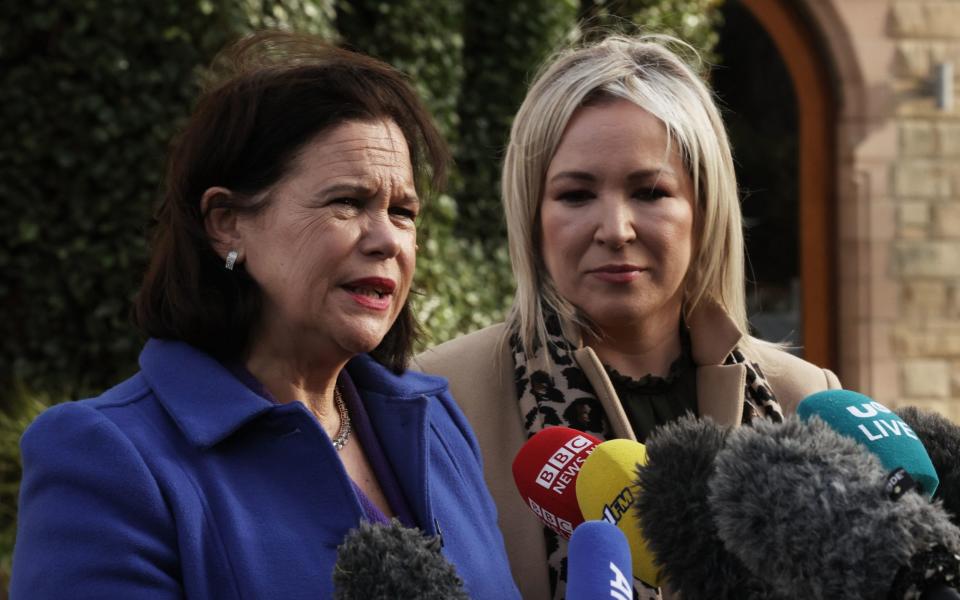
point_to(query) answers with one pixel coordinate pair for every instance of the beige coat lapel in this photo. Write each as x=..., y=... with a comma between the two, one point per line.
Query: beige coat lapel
x=593, y=369
x=720, y=388
x=720, y=392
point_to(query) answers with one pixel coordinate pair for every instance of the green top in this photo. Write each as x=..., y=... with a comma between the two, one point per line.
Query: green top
x=651, y=401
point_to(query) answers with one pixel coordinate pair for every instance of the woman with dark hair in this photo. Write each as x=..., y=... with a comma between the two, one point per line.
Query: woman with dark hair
x=273, y=412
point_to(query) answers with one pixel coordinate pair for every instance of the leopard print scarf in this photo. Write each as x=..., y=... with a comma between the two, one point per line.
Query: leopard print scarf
x=558, y=393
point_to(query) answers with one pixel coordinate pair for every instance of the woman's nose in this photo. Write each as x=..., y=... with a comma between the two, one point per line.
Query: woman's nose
x=615, y=226
x=380, y=236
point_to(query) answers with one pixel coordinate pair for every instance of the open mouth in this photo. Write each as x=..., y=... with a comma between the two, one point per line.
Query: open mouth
x=370, y=292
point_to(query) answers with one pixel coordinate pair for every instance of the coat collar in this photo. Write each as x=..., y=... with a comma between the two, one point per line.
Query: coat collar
x=720, y=387
x=713, y=334
x=205, y=400
x=398, y=408
x=370, y=376
x=208, y=403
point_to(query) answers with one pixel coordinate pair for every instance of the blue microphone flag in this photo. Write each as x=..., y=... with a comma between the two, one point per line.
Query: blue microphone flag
x=599, y=563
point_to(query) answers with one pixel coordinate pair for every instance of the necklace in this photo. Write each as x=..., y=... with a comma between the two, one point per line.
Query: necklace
x=343, y=434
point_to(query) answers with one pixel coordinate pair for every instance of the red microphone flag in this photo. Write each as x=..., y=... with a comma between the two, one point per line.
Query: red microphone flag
x=545, y=471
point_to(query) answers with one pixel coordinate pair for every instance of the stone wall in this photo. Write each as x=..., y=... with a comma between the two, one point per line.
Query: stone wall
x=924, y=259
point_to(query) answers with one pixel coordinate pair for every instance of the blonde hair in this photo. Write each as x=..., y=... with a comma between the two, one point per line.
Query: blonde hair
x=646, y=73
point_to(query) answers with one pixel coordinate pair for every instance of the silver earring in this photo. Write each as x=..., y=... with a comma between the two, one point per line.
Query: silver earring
x=231, y=259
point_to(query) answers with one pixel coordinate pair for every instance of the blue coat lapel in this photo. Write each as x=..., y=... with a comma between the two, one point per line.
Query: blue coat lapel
x=206, y=401
x=401, y=426
x=398, y=407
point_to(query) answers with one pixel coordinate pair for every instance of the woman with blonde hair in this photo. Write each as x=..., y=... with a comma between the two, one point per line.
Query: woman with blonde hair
x=625, y=239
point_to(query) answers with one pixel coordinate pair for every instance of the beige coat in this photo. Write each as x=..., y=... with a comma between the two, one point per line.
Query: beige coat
x=481, y=372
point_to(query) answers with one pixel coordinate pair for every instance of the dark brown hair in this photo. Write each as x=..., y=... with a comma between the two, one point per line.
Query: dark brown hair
x=271, y=93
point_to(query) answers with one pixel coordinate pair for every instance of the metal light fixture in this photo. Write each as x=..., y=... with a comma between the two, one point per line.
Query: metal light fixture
x=944, y=86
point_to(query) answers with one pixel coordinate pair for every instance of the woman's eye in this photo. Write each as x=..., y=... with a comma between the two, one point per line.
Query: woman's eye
x=651, y=193
x=347, y=201
x=406, y=213
x=574, y=196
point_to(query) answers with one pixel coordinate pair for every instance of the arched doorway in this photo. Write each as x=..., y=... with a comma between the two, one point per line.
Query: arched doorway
x=815, y=217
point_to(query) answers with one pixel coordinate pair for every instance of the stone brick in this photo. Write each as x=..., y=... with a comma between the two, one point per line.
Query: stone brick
x=926, y=19
x=953, y=300
x=948, y=137
x=918, y=138
x=924, y=298
x=946, y=220
x=921, y=180
x=883, y=382
x=920, y=103
x=913, y=233
x=912, y=59
x=908, y=19
x=917, y=59
x=913, y=214
x=955, y=380
x=943, y=18
x=946, y=407
x=927, y=258
x=926, y=378
x=914, y=341
x=948, y=51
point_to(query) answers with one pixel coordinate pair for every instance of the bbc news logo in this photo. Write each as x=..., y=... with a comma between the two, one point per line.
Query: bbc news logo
x=561, y=526
x=552, y=475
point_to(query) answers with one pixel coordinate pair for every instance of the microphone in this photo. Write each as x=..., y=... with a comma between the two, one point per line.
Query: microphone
x=606, y=490
x=598, y=563
x=814, y=515
x=676, y=517
x=545, y=471
x=878, y=429
x=941, y=438
x=388, y=562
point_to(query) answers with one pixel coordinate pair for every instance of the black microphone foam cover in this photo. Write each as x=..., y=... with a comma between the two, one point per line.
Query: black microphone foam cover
x=676, y=518
x=806, y=507
x=941, y=438
x=381, y=562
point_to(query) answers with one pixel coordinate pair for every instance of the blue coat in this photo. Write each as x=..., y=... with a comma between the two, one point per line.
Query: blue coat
x=182, y=482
